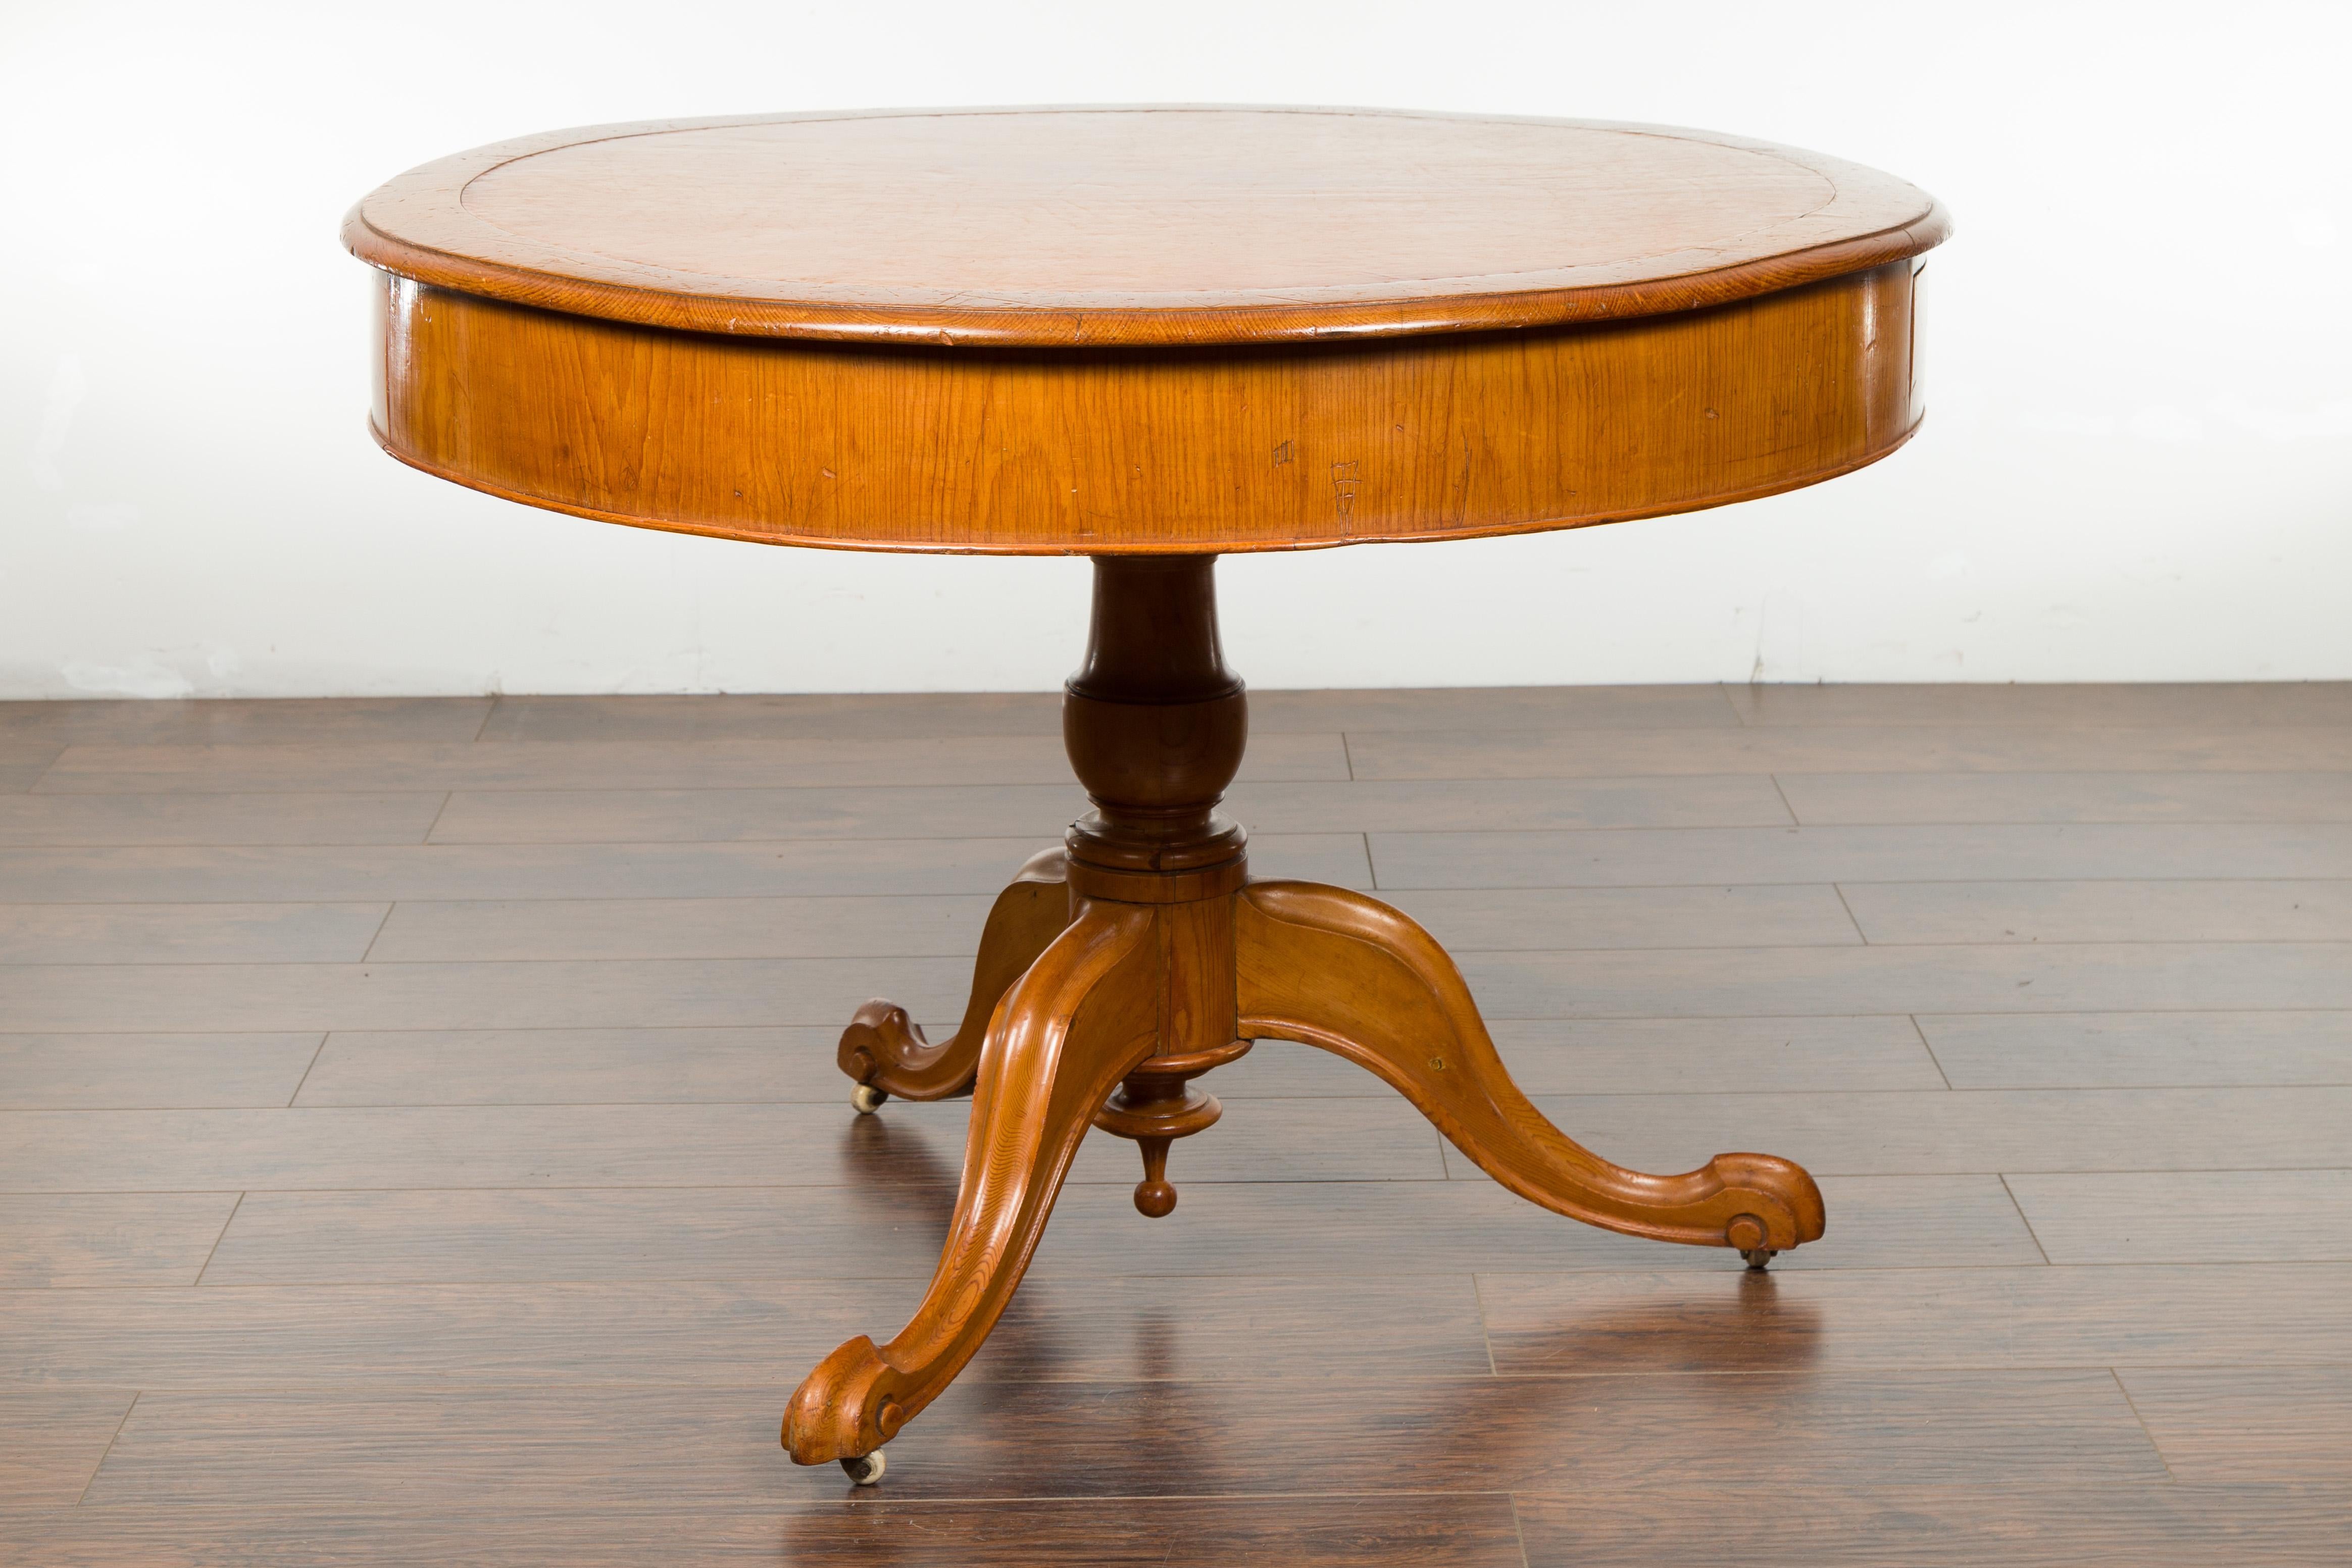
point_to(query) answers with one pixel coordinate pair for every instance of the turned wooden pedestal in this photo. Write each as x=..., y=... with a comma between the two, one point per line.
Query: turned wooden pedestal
x=1140, y=956
x=1153, y=336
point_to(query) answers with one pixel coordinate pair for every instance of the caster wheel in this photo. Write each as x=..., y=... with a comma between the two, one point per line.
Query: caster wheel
x=864, y=1470
x=867, y=1100
x=1746, y=1233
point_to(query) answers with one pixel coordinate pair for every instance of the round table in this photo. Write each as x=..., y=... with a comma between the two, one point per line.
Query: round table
x=1153, y=336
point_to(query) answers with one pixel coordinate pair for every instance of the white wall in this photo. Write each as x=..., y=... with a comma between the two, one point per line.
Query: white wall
x=2135, y=465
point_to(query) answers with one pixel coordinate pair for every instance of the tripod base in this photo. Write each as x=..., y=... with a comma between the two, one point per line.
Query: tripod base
x=1113, y=972
x=1077, y=1029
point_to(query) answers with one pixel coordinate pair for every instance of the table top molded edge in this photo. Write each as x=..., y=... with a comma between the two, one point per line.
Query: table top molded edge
x=442, y=240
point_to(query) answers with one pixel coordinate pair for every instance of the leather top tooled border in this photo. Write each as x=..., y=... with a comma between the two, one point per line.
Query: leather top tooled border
x=417, y=226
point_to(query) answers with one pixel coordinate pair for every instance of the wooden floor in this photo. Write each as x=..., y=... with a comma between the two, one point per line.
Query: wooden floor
x=423, y=1144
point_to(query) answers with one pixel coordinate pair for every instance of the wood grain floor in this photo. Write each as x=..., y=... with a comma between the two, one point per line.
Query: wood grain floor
x=419, y=1141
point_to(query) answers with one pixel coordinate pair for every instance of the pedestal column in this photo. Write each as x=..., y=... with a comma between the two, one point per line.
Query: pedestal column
x=1155, y=725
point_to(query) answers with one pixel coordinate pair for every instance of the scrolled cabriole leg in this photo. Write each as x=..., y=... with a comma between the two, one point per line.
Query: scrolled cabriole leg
x=1063, y=1037
x=1336, y=969
x=884, y=1051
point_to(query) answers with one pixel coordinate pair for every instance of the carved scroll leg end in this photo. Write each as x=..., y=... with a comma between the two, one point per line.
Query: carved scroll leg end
x=1776, y=1205
x=879, y=1034
x=884, y=1053
x=845, y=1408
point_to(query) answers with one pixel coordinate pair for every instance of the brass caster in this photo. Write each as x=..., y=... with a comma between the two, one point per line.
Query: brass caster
x=865, y=1471
x=867, y=1100
x=1746, y=1233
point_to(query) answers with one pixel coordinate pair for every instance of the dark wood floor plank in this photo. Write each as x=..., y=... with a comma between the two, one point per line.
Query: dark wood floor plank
x=894, y=1231
x=49, y=1241
x=1637, y=1056
x=1859, y=1320
x=145, y=1151
x=2123, y=1050
x=1958, y=978
x=679, y=720
x=817, y=1524
x=795, y=1063
x=1496, y=707
x=1037, y=811
x=331, y=818
x=657, y=1145
x=2022, y=1130
x=325, y=873
x=329, y=873
x=150, y=934
x=617, y=765
x=1478, y=920
x=50, y=1443
x=1013, y=1439
x=1464, y=753
x=556, y=995
x=2189, y=706
x=738, y=1335
x=1658, y=857
x=1863, y=1526
x=2249, y=1426
x=80, y=1072
x=2205, y=1216
x=978, y=810
x=1930, y=798
x=1480, y=805
x=424, y=931
x=2120, y=911
x=22, y=765
x=576, y=1067
x=247, y=721
x=858, y=927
